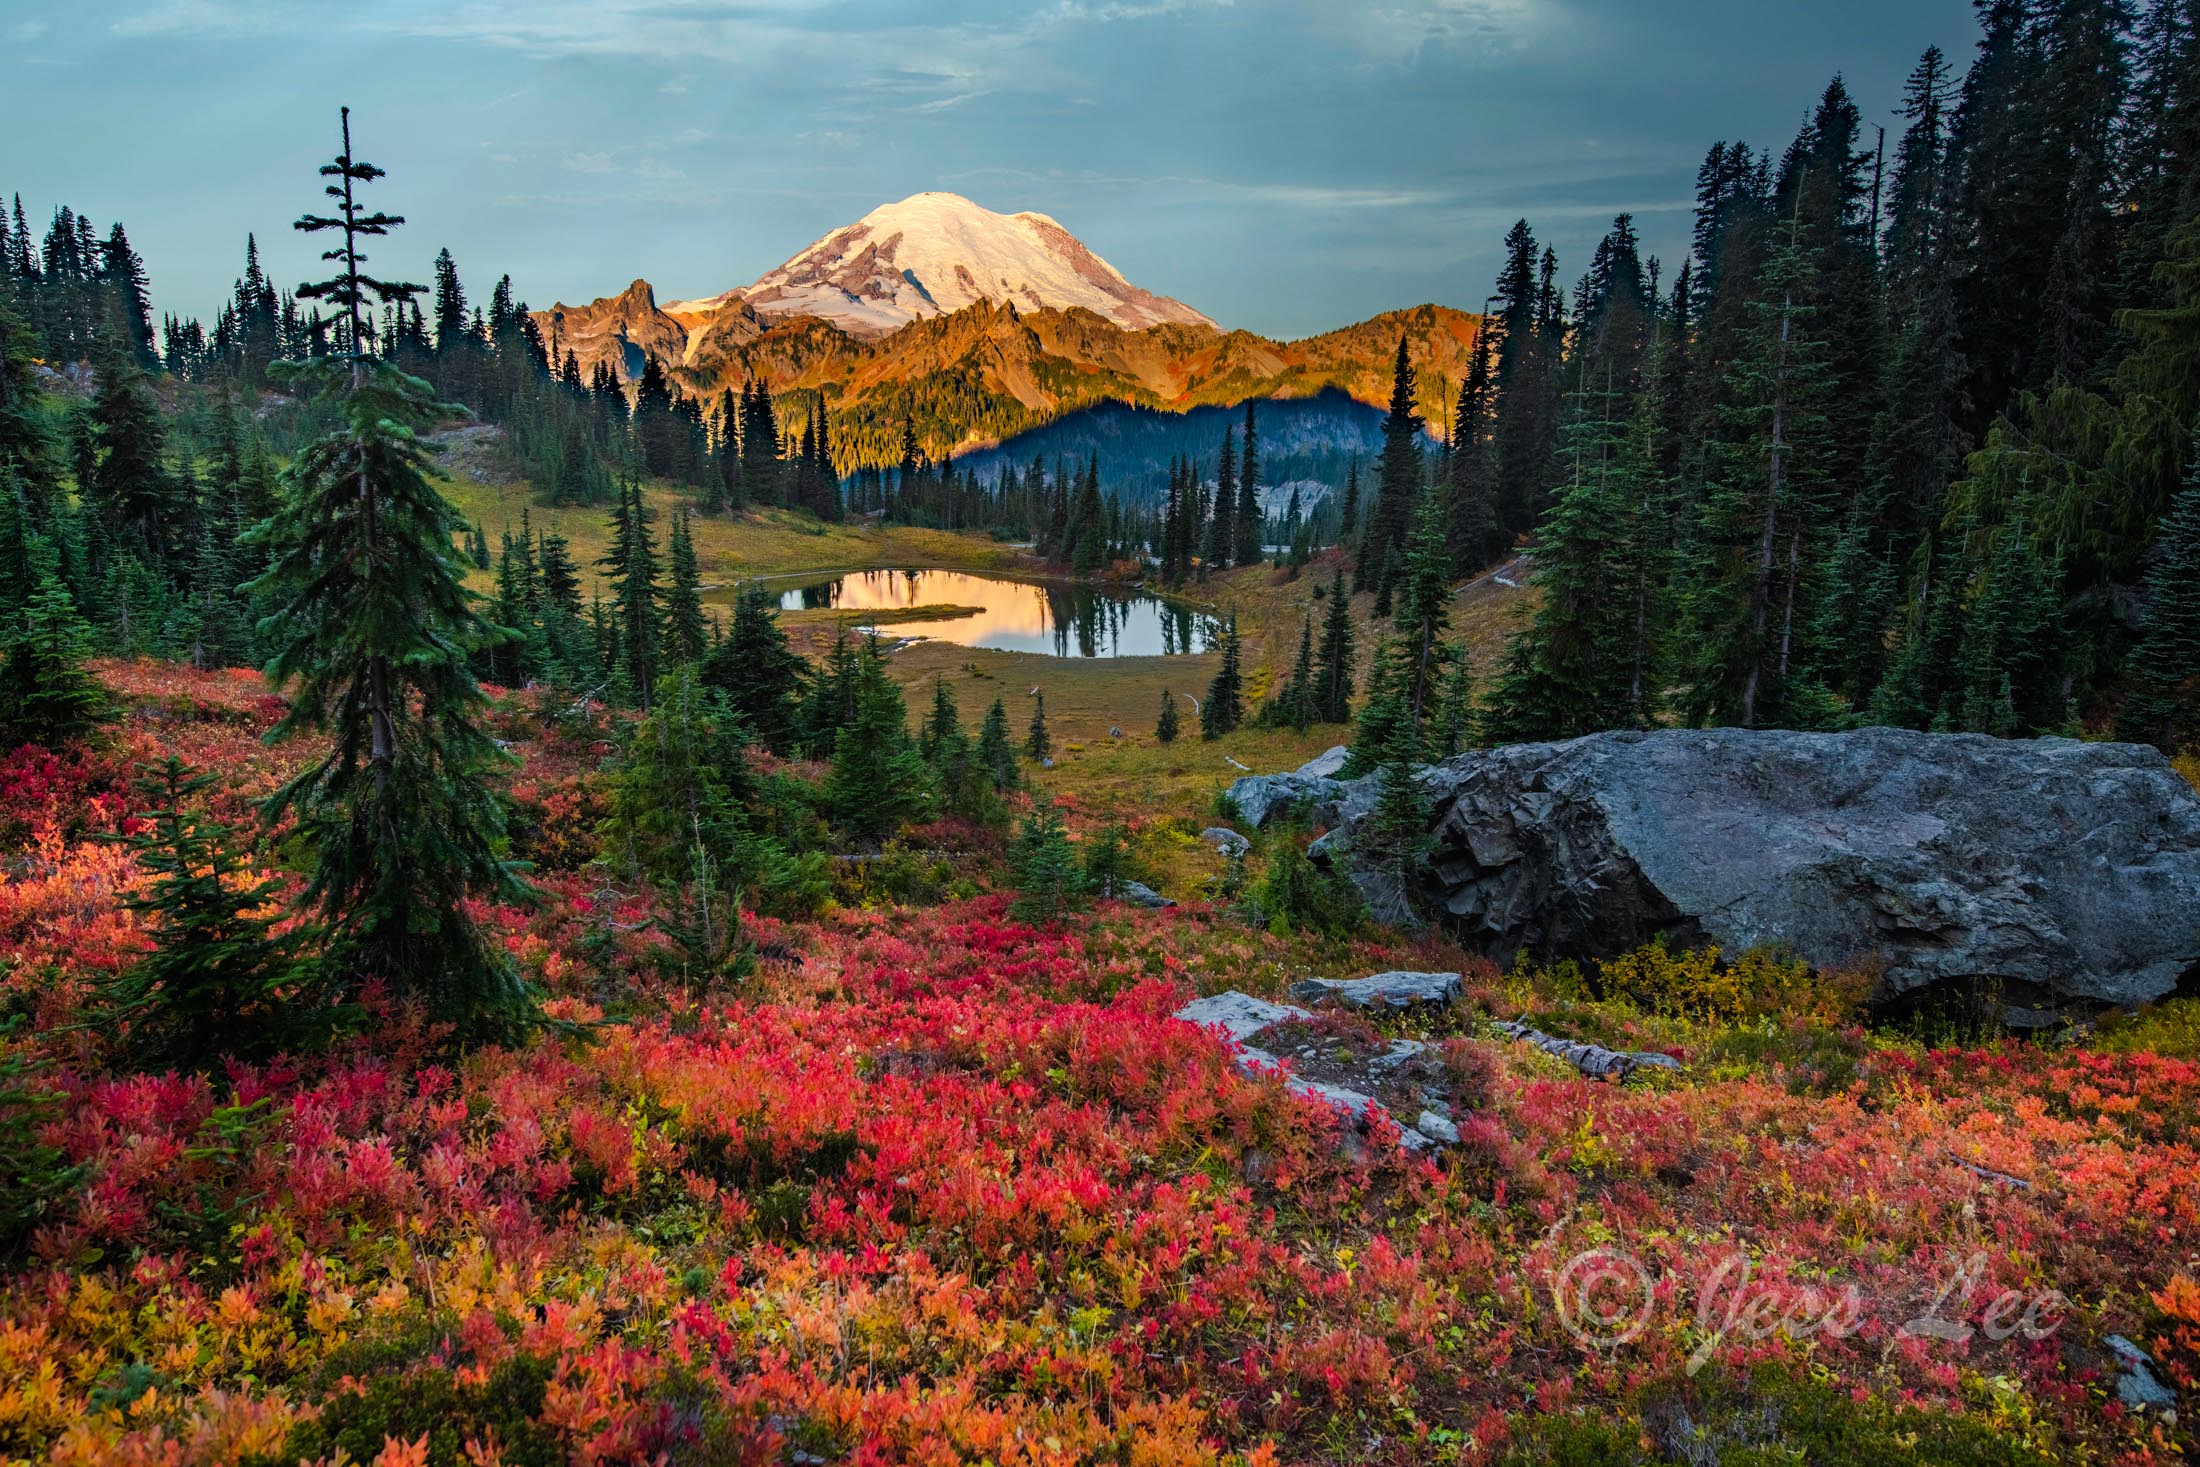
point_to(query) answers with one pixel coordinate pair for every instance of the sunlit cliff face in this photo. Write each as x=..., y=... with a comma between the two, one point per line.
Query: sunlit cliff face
x=1012, y=616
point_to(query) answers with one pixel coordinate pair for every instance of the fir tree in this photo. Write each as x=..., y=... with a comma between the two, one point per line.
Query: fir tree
x=373, y=628
x=1394, y=838
x=878, y=781
x=130, y=484
x=1247, y=548
x=630, y=566
x=995, y=756
x=685, y=639
x=675, y=818
x=1385, y=726
x=1166, y=727
x=1223, y=709
x=1110, y=863
x=1454, y=724
x=1049, y=882
x=1292, y=705
x=1568, y=671
x=218, y=981
x=1398, y=484
x=760, y=674
x=1037, y=744
x=2164, y=706
x=1333, y=667
x=47, y=697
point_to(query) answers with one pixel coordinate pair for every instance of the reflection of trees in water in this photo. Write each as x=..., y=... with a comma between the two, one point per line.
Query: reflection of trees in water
x=820, y=597
x=1081, y=621
x=1096, y=623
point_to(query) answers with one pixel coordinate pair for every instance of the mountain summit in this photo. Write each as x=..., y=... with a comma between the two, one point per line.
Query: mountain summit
x=933, y=254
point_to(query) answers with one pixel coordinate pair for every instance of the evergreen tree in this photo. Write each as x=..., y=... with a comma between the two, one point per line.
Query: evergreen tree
x=1333, y=667
x=1110, y=863
x=630, y=566
x=1423, y=612
x=1049, y=882
x=878, y=781
x=1756, y=531
x=1454, y=724
x=46, y=695
x=1292, y=705
x=942, y=729
x=995, y=756
x=373, y=628
x=1398, y=484
x=1394, y=838
x=135, y=494
x=2164, y=706
x=2008, y=664
x=831, y=704
x=1166, y=727
x=218, y=981
x=1385, y=726
x=1223, y=709
x=760, y=675
x=1221, y=527
x=1568, y=672
x=1348, y=512
x=1037, y=744
x=684, y=638
x=675, y=820
x=1247, y=548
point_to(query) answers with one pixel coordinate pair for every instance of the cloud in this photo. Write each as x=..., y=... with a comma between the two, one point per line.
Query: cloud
x=675, y=86
x=29, y=31
x=187, y=18
x=942, y=104
x=591, y=163
x=831, y=137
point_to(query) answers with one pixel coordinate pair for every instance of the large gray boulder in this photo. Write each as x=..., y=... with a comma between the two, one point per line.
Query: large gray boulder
x=2064, y=871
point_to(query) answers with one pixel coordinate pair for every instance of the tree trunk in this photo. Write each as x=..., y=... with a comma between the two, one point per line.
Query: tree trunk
x=1594, y=1061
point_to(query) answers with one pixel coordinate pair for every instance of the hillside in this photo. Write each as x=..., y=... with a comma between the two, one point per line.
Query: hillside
x=989, y=371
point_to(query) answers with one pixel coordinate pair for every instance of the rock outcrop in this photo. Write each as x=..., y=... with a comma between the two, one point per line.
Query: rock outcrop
x=2063, y=871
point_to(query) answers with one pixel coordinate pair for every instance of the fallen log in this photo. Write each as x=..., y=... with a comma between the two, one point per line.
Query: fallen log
x=1593, y=1060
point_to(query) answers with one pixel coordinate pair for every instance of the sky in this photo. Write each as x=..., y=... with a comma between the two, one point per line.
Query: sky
x=1286, y=166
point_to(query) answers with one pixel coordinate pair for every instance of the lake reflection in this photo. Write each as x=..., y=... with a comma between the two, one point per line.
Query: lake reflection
x=1054, y=620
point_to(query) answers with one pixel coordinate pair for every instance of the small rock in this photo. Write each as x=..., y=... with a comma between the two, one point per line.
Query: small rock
x=1437, y=1128
x=1226, y=840
x=2138, y=1386
x=1400, y=1051
x=1394, y=990
x=1143, y=895
x=1239, y=1015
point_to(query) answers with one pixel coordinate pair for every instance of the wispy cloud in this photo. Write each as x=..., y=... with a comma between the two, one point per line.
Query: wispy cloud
x=28, y=31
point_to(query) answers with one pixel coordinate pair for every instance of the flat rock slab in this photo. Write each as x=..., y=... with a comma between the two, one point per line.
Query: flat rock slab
x=1399, y=989
x=1355, y=1105
x=1324, y=765
x=1144, y=895
x=1239, y=1015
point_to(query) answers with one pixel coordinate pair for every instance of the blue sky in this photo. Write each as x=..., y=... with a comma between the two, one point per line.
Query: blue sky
x=1284, y=165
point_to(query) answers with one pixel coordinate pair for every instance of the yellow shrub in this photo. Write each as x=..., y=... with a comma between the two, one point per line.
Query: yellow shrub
x=1697, y=985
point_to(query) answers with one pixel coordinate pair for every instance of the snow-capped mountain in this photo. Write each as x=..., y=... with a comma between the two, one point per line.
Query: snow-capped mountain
x=935, y=253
